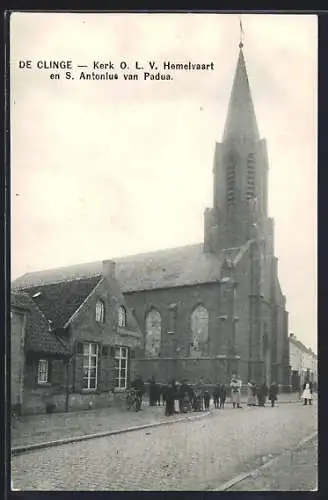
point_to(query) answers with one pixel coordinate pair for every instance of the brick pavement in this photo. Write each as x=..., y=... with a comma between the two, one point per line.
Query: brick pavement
x=198, y=455
x=29, y=430
x=293, y=471
x=37, y=429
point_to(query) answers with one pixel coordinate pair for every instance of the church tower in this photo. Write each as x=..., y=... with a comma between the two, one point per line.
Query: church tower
x=240, y=173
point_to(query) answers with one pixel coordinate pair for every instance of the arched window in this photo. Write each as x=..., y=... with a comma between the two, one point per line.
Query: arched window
x=122, y=316
x=199, y=331
x=153, y=333
x=100, y=311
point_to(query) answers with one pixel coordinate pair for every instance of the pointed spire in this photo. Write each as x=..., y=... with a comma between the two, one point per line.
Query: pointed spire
x=241, y=119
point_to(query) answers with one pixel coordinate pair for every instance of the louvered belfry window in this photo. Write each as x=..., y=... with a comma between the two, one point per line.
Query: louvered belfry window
x=231, y=178
x=251, y=179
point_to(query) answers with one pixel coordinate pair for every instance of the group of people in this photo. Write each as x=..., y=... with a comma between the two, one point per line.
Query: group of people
x=258, y=394
x=181, y=397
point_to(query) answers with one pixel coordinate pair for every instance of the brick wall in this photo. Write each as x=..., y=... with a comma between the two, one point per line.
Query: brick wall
x=186, y=299
x=36, y=397
x=210, y=370
x=17, y=358
x=84, y=328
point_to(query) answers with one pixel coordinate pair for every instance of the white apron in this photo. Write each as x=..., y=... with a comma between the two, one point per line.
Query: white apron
x=307, y=393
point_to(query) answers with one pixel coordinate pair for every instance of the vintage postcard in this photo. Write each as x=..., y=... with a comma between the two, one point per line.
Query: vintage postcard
x=163, y=251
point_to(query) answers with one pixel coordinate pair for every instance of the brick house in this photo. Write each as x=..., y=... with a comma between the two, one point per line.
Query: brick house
x=38, y=358
x=81, y=340
x=210, y=309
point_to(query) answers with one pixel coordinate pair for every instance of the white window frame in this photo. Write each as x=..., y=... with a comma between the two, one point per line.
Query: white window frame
x=43, y=371
x=120, y=380
x=122, y=317
x=88, y=356
x=100, y=311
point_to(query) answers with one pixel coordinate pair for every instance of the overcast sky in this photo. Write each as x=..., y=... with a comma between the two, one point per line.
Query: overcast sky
x=102, y=169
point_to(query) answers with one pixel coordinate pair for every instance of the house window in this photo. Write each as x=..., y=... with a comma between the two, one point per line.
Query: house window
x=90, y=366
x=100, y=311
x=43, y=371
x=122, y=316
x=120, y=367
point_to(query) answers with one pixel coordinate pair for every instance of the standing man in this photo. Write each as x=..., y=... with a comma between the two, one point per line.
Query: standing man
x=235, y=386
x=273, y=392
x=169, y=399
x=152, y=391
x=207, y=399
x=139, y=386
x=262, y=394
x=223, y=395
x=216, y=395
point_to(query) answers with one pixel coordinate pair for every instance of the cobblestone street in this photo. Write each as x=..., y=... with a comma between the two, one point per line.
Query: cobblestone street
x=198, y=455
x=33, y=429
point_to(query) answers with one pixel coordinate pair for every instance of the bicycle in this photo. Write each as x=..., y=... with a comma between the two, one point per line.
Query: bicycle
x=133, y=400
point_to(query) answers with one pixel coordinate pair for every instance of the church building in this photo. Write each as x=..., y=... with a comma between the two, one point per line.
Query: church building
x=213, y=309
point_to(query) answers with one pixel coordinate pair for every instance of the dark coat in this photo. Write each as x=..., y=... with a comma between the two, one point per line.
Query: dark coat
x=223, y=392
x=263, y=392
x=170, y=394
x=206, y=396
x=273, y=392
x=217, y=392
x=185, y=390
x=138, y=385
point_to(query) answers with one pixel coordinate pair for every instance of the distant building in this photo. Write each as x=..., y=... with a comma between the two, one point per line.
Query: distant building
x=303, y=363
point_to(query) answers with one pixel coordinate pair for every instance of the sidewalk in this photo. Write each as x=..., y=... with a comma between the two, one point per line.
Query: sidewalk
x=29, y=430
x=293, y=471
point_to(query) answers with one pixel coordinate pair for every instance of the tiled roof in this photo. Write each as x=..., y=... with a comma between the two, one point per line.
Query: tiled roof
x=59, y=301
x=188, y=265
x=39, y=338
x=59, y=292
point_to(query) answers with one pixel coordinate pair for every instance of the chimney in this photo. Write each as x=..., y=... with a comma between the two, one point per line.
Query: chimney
x=108, y=269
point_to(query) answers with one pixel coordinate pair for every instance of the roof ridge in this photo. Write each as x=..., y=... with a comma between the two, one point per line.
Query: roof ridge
x=114, y=259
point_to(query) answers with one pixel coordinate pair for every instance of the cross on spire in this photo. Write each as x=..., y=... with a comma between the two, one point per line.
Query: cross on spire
x=241, y=35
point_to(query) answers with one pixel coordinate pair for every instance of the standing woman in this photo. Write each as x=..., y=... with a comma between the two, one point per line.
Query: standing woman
x=307, y=393
x=251, y=393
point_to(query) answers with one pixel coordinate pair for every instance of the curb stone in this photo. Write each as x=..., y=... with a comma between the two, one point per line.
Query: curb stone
x=237, y=479
x=47, y=444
